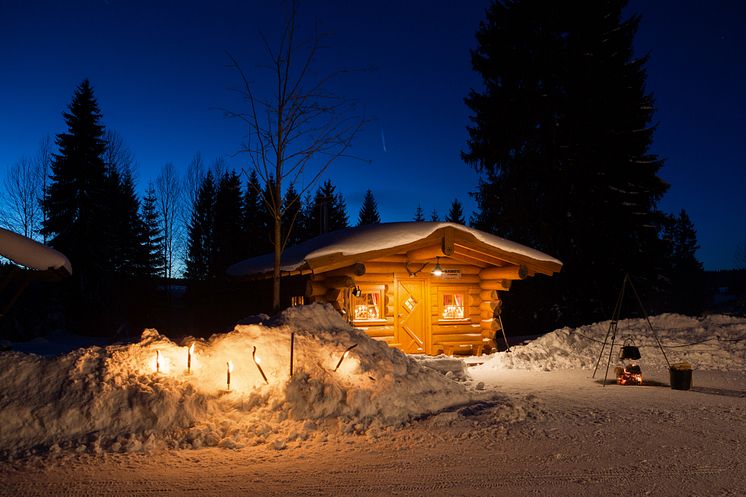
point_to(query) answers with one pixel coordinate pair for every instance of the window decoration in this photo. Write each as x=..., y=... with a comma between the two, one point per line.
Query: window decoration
x=368, y=306
x=453, y=306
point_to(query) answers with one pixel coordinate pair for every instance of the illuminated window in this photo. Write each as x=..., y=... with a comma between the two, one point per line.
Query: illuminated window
x=368, y=306
x=297, y=300
x=453, y=306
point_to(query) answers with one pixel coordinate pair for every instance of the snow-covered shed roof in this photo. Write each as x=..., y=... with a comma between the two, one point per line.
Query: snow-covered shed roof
x=352, y=245
x=27, y=252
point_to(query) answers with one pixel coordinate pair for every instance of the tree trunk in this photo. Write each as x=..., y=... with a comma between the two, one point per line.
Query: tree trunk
x=276, y=274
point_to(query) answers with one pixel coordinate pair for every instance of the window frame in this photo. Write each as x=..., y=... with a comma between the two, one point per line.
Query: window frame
x=370, y=289
x=453, y=290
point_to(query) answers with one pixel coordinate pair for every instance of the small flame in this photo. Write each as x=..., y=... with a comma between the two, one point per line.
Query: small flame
x=191, y=349
x=161, y=363
x=230, y=366
x=257, y=359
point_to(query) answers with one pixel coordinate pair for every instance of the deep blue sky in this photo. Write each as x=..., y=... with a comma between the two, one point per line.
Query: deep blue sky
x=160, y=76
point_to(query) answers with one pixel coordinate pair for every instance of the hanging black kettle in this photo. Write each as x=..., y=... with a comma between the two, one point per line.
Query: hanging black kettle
x=630, y=352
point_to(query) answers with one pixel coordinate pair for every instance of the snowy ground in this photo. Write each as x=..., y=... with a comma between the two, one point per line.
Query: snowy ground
x=533, y=421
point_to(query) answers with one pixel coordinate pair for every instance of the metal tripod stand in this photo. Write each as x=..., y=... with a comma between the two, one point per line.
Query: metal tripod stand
x=615, y=321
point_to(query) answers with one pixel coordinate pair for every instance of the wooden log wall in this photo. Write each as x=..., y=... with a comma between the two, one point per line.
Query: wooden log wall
x=480, y=287
x=384, y=329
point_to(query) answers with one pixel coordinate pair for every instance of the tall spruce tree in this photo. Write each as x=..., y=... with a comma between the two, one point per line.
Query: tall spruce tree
x=253, y=236
x=456, y=213
x=686, y=271
x=369, y=210
x=328, y=212
x=75, y=202
x=126, y=239
x=227, y=232
x=419, y=214
x=293, y=222
x=199, y=263
x=153, y=234
x=561, y=135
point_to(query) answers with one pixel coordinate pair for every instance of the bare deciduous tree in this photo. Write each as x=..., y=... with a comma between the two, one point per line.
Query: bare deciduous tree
x=168, y=191
x=297, y=132
x=23, y=185
x=118, y=155
x=43, y=163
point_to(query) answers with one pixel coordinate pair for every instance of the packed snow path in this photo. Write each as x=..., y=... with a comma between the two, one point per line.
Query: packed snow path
x=553, y=433
x=533, y=421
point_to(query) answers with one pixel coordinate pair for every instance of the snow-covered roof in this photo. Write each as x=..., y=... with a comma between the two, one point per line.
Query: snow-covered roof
x=32, y=254
x=372, y=240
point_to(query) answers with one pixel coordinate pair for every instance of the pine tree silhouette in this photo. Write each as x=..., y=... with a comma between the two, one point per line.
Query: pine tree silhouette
x=456, y=213
x=155, y=263
x=199, y=263
x=75, y=203
x=561, y=135
x=369, y=210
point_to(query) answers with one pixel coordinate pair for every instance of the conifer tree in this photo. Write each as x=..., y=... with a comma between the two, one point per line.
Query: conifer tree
x=75, y=217
x=153, y=234
x=434, y=216
x=419, y=214
x=369, y=210
x=293, y=223
x=456, y=213
x=329, y=211
x=686, y=289
x=199, y=263
x=560, y=135
x=126, y=237
x=253, y=234
x=227, y=233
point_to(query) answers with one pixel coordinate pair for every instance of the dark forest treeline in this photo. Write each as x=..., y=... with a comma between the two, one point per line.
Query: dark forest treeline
x=125, y=249
x=561, y=134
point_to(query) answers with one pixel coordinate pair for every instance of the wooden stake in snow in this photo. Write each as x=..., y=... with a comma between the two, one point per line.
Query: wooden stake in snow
x=190, y=351
x=257, y=360
x=229, y=368
x=344, y=356
x=157, y=361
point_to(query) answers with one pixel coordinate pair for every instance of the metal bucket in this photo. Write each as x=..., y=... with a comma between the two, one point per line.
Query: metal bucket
x=681, y=376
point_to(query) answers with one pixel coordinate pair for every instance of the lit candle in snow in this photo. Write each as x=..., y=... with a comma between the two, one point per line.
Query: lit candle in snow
x=229, y=368
x=190, y=351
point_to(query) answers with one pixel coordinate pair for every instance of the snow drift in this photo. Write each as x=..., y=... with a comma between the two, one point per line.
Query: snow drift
x=116, y=398
x=716, y=342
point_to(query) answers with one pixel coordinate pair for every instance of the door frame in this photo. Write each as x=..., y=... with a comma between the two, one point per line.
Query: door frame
x=426, y=331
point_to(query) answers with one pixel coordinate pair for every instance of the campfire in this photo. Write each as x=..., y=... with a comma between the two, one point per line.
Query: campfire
x=630, y=374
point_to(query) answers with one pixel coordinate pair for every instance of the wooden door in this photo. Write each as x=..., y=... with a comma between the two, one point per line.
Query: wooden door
x=411, y=309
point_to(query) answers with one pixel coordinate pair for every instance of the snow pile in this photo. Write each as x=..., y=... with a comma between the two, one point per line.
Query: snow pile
x=714, y=342
x=113, y=399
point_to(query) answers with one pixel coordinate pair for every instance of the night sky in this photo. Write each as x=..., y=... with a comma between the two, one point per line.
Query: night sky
x=161, y=79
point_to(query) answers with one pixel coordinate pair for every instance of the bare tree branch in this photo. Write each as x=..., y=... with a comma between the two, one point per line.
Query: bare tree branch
x=297, y=133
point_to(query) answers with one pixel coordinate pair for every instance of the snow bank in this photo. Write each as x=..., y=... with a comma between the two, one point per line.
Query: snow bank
x=113, y=399
x=714, y=342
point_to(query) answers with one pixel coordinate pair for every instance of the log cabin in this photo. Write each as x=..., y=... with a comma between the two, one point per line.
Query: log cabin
x=422, y=287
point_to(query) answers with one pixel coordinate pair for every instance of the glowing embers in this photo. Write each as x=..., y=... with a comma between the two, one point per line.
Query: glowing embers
x=630, y=374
